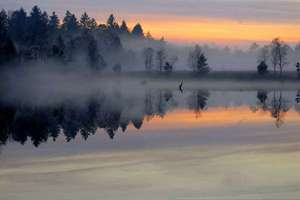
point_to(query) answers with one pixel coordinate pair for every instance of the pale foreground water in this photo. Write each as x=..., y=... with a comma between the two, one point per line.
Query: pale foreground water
x=193, y=145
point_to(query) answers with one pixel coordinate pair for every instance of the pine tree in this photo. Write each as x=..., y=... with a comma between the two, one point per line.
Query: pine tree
x=161, y=57
x=148, y=58
x=70, y=23
x=7, y=49
x=202, y=65
x=124, y=29
x=53, y=23
x=92, y=24
x=3, y=25
x=18, y=26
x=111, y=21
x=38, y=26
x=95, y=59
x=85, y=21
x=198, y=61
x=137, y=31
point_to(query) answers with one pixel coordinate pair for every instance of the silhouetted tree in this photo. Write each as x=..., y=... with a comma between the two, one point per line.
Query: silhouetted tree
x=262, y=96
x=161, y=57
x=298, y=69
x=70, y=23
x=198, y=101
x=84, y=21
x=149, y=36
x=262, y=68
x=87, y=23
x=53, y=24
x=58, y=49
x=168, y=67
x=8, y=51
x=96, y=60
x=111, y=21
x=38, y=27
x=124, y=29
x=279, y=51
x=18, y=26
x=278, y=108
x=3, y=25
x=148, y=58
x=7, y=48
x=198, y=61
x=137, y=31
x=298, y=97
x=112, y=25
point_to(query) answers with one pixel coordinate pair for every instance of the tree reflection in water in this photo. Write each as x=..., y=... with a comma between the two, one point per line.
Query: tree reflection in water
x=111, y=113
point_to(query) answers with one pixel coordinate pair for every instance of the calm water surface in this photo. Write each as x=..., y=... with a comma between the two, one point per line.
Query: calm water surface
x=154, y=144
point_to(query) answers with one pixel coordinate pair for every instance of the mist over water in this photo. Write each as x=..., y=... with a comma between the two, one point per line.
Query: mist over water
x=83, y=135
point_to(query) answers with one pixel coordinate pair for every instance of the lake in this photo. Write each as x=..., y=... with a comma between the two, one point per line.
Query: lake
x=150, y=143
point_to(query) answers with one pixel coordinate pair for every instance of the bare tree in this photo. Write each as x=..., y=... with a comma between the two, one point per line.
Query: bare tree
x=161, y=57
x=148, y=58
x=279, y=52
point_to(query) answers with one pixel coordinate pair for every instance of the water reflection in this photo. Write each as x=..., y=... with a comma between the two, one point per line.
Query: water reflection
x=116, y=111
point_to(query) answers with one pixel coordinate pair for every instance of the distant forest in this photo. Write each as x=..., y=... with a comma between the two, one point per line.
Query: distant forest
x=39, y=38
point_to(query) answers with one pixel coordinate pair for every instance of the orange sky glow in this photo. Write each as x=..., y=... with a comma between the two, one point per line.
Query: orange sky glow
x=185, y=119
x=219, y=31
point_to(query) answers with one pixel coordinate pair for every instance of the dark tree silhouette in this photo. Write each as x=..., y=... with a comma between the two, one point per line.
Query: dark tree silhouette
x=198, y=61
x=279, y=52
x=18, y=26
x=7, y=49
x=124, y=29
x=298, y=69
x=111, y=21
x=58, y=49
x=262, y=68
x=161, y=57
x=168, y=67
x=87, y=23
x=198, y=101
x=148, y=58
x=137, y=31
x=70, y=23
x=37, y=37
x=38, y=27
x=96, y=60
x=262, y=96
x=53, y=24
x=3, y=25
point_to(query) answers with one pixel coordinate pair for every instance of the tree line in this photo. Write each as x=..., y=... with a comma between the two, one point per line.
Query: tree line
x=33, y=36
x=38, y=36
x=159, y=58
x=275, y=55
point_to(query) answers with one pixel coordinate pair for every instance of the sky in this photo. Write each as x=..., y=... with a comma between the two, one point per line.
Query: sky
x=224, y=22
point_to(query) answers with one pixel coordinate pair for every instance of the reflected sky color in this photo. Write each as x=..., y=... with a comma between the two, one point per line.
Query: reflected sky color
x=185, y=119
x=211, y=21
x=242, y=155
